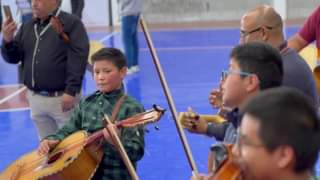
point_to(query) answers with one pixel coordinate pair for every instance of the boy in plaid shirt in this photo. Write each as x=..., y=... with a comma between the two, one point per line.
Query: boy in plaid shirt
x=109, y=69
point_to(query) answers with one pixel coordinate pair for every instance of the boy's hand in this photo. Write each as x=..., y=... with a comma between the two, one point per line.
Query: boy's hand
x=68, y=102
x=193, y=123
x=215, y=98
x=200, y=177
x=46, y=145
x=107, y=135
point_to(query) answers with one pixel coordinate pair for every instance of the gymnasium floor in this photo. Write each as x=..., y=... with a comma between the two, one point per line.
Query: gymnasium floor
x=192, y=60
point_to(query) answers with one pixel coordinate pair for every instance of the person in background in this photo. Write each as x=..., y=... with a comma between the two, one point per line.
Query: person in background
x=53, y=66
x=1, y=16
x=77, y=7
x=24, y=7
x=308, y=33
x=264, y=24
x=130, y=11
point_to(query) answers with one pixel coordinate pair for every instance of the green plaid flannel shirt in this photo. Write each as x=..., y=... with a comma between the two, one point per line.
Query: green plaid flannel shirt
x=88, y=115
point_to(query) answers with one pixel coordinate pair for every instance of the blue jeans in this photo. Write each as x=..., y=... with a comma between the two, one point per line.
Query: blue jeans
x=130, y=39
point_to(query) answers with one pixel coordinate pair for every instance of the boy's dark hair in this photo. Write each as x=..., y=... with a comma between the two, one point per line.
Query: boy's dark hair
x=112, y=55
x=261, y=59
x=287, y=117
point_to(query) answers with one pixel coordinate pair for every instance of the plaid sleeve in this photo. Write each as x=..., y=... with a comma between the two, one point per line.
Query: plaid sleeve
x=71, y=126
x=133, y=138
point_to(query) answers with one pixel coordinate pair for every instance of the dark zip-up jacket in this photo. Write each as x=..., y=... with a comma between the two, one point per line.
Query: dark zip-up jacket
x=49, y=63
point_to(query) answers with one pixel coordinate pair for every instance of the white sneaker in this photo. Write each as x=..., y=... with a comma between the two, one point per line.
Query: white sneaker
x=129, y=71
x=133, y=70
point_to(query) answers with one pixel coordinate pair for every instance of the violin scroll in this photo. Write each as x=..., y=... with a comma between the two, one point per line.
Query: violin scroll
x=58, y=27
x=150, y=116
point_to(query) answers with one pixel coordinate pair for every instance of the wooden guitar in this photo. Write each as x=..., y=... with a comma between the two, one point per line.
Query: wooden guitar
x=207, y=117
x=76, y=157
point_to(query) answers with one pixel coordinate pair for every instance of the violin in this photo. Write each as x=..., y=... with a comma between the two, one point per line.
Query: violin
x=58, y=28
x=227, y=169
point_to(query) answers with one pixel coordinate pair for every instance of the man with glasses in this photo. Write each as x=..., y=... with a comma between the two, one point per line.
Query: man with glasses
x=264, y=24
x=278, y=143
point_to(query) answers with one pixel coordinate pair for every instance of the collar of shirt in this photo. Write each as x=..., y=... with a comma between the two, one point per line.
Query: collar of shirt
x=46, y=21
x=283, y=48
x=112, y=94
x=234, y=117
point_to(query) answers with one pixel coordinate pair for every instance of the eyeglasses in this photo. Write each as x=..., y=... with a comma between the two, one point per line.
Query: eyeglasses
x=225, y=73
x=244, y=33
x=243, y=141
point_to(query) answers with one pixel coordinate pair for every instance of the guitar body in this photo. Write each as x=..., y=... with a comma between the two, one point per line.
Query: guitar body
x=77, y=157
x=71, y=159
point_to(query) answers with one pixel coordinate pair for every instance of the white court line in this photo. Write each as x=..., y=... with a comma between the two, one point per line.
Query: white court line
x=188, y=48
x=14, y=109
x=10, y=85
x=217, y=28
x=108, y=36
x=3, y=100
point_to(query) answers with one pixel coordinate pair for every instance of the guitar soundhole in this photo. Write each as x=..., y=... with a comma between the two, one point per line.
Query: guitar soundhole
x=55, y=157
x=69, y=159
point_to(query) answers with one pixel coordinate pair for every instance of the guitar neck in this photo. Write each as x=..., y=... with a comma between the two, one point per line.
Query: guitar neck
x=96, y=136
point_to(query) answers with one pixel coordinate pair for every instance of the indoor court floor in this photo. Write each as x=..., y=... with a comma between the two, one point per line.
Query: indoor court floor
x=192, y=61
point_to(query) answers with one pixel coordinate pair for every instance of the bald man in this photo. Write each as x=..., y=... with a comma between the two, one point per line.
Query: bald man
x=264, y=24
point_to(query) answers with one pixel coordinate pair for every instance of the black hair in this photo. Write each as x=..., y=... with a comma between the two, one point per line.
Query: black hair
x=112, y=55
x=287, y=117
x=261, y=59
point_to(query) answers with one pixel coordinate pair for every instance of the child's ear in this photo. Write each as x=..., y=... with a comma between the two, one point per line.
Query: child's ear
x=252, y=83
x=123, y=72
x=284, y=156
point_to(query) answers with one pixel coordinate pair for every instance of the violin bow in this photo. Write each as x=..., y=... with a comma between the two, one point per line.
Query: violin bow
x=115, y=138
x=169, y=98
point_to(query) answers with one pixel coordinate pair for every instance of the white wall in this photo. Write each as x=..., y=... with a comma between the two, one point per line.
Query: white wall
x=95, y=12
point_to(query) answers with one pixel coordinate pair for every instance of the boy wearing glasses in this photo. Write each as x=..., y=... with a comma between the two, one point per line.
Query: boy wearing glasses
x=285, y=139
x=253, y=67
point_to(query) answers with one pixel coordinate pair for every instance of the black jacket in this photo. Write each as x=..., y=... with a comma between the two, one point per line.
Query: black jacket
x=57, y=65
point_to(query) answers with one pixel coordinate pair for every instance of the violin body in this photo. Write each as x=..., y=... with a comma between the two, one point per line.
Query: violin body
x=71, y=159
x=228, y=170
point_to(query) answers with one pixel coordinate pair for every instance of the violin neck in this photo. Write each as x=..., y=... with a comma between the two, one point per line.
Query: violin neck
x=96, y=136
